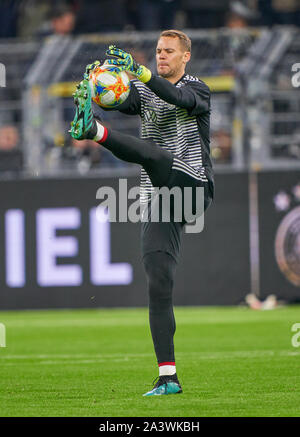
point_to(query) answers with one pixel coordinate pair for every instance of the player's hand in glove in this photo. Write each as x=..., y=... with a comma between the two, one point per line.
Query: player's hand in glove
x=126, y=63
x=89, y=68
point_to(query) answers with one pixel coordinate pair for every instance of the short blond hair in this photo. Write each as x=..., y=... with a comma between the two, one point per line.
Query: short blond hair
x=185, y=41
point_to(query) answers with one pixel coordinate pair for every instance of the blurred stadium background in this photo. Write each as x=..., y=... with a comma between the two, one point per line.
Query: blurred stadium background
x=247, y=52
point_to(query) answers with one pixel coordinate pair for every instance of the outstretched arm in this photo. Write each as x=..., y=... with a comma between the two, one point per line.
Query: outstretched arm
x=195, y=96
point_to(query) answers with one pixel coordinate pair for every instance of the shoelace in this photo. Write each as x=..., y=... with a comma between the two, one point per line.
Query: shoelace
x=160, y=381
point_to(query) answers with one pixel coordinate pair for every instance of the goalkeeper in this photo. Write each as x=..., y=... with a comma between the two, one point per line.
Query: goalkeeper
x=174, y=151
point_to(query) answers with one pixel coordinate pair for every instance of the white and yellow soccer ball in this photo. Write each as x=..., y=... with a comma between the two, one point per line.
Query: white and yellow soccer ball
x=109, y=86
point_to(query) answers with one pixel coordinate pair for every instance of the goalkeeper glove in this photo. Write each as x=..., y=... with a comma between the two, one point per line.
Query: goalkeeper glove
x=89, y=68
x=126, y=63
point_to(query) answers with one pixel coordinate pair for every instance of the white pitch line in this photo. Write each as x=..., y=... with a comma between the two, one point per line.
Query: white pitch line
x=76, y=358
x=71, y=356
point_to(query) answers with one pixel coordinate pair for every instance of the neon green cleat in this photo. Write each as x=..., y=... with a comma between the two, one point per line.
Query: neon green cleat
x=166, y=385
x=83, y=125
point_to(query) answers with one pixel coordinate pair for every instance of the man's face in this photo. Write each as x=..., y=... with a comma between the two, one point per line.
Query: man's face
x=170, y=57
x=64, y=24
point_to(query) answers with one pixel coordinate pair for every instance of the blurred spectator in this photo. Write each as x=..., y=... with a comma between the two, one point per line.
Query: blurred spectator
x=8, y=18
x=235, y=21
x=87, y=154
x=10, y=154
x=62, y=19
x=9, y=137
x=221, y=146
x=238, y=16
x=33, y=15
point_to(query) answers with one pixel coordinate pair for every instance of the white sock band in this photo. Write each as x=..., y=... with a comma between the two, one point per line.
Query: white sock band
x=167, y=370
x=100, y=132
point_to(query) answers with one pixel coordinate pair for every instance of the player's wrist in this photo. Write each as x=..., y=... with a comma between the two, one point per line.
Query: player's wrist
x=144, y=74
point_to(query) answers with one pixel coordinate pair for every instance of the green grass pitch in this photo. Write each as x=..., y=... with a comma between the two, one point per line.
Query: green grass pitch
x=231, y=361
